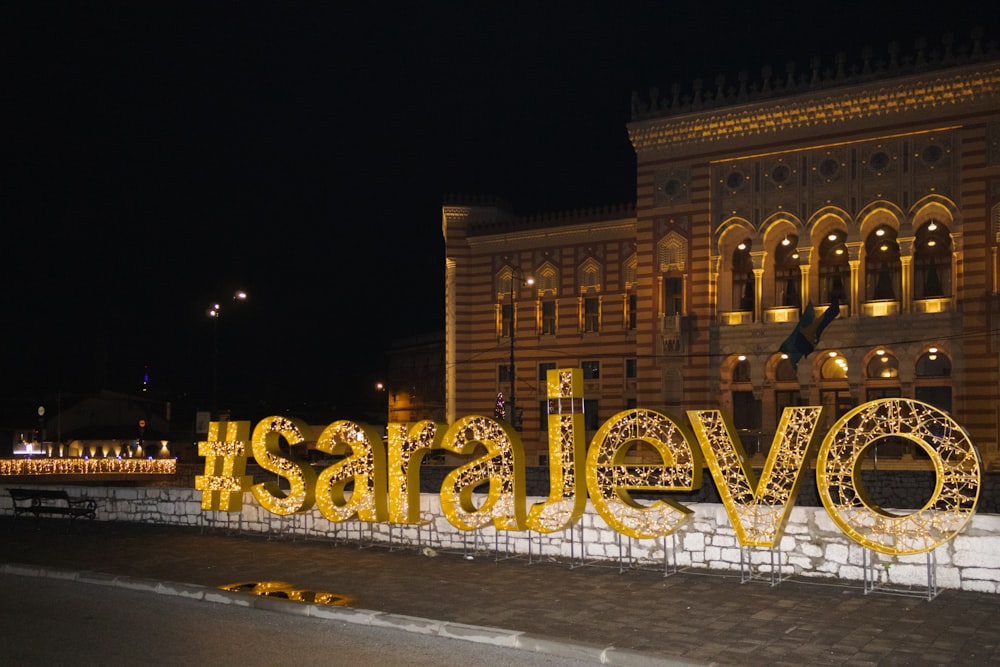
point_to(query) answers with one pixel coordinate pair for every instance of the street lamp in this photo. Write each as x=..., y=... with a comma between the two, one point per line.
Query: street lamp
x=214, y=312
x=515, y=275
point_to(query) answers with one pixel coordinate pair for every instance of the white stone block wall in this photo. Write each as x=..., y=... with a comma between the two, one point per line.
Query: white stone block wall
x=812, y=545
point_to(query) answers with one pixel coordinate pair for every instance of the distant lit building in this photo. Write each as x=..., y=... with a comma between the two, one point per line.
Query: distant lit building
x=415, y=384
x=877, y=183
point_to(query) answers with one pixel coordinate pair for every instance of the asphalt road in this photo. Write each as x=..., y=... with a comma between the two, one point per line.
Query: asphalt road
x=54, y=622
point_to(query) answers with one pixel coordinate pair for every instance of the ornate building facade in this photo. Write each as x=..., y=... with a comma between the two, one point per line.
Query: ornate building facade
x=877, y=188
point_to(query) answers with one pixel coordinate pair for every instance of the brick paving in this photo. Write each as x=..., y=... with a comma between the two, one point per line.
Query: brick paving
x=695, y=617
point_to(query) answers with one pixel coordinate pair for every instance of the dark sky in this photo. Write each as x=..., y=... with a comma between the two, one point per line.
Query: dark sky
x=160, y=155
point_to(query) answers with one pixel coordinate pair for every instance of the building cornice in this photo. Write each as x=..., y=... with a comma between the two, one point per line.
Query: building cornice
x=974, y=88
x=563, y=235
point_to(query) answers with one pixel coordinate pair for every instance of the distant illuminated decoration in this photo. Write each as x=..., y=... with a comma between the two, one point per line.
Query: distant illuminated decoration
x=842, y=491
x=82, y=466
x=609, y=478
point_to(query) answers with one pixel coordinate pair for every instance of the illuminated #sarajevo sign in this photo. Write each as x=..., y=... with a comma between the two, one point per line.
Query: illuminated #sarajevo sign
x=386, y=480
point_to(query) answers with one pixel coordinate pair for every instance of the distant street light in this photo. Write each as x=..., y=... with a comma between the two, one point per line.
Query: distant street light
x=515, y=275
x=215, y=312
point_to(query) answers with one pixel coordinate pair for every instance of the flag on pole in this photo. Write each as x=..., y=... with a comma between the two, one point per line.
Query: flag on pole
x=805, y=336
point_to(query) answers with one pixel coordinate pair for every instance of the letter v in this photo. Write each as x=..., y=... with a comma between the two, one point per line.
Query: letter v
x=758, y=511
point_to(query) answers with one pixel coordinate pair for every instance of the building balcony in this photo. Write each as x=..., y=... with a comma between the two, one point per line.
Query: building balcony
x=935, y=305
x=734, y=318
x=880, y=308
x=781, y=314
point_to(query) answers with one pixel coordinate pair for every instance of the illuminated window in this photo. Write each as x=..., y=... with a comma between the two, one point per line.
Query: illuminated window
x=743, y=283
x=932, y=262
x=834, y=368
x=883, y=270
x=834, y=267
x=883, y=367
x=787, y=274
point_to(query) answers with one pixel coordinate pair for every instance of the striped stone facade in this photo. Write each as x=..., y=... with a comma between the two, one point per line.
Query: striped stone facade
x=881, y=190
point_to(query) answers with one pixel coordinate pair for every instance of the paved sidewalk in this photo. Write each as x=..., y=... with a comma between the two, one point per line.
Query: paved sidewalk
x=685, y=618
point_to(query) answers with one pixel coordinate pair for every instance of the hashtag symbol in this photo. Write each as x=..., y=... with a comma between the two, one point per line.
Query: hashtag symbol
x=225, y=477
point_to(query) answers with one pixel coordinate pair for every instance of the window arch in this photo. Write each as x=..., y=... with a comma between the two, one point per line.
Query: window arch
x=672, y=253
x=932, y=261
x=547, y=280
x=834, y=392
x=883, y=272
x=786, y=388
x=834, y=267
x=590, y=276
x=743, y=282
x=787, y=274
x=630, y=271
x=882, y=366
x=834, y=367
x=933, y=364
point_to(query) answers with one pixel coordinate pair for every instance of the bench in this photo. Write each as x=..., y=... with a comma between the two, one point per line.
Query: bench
x=55, y=502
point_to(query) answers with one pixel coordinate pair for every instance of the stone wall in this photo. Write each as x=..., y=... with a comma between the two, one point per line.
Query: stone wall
x=812, y=546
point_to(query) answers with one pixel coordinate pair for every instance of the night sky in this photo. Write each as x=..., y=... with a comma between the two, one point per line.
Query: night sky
x=159, y=156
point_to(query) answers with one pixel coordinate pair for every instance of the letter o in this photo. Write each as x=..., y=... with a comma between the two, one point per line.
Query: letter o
x=956, y=465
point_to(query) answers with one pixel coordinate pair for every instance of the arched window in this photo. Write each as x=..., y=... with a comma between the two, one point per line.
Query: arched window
x=834, y=392
x=834, y=368
x=741, y=371
x=787, y=275
x=834, y=267
x=882, y=266
x=787, y=392
x=743, y=284
x=883, y=366
x=933, y=364
x=932, y=262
